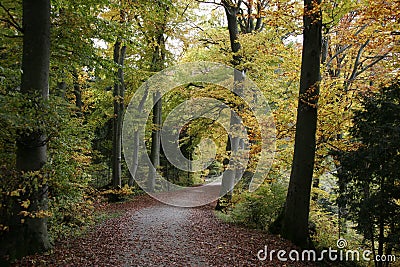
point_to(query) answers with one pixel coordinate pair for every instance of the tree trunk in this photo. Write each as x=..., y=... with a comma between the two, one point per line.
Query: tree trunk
x=155, y=139
x=157, y=63
x=119, y=56
x=61, y=88
x=228, y=178
x=135, y=156
x=295, y=218
x=77, y=92
x=31, y=236
x=381, y=221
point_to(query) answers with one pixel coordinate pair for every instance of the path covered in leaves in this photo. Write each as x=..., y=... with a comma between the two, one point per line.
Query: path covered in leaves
x=149, y=233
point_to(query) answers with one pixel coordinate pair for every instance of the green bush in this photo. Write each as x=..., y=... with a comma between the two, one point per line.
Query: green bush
x=66, y=171
x=260, y=208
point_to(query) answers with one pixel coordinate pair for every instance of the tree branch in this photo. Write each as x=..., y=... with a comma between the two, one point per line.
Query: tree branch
x=378, y=58
x=210, y=2
x=344, y=48
x=12, y=20
x=357, y=61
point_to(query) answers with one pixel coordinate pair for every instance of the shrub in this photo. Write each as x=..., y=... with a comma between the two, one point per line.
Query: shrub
x=260, y=208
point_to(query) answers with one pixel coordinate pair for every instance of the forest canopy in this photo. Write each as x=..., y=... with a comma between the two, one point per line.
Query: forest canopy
x=328, y=70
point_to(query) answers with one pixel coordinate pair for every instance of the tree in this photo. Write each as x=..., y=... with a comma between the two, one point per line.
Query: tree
x=239, y=15
x=118, y=93
x=156, y=40
x=369, y=184
x=31, y=235
x=228, y=178
x=295, y=216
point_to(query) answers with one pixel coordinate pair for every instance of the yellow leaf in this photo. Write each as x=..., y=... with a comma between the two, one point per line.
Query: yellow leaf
x=26, y=203
x=15, y=193
x=24, y=213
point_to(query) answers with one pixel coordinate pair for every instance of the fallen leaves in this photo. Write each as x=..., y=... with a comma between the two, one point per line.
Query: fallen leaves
x=149, y=233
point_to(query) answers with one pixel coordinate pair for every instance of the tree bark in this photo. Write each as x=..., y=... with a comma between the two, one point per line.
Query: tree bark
x=119, y=88
x=77, y=92
x=31, y=236
x=135, y=156
x=157, y=64
x=228, y=178
x=155, y=140
x=296, y=213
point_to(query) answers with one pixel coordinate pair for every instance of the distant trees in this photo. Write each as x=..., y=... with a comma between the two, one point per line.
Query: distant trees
x=369, y=183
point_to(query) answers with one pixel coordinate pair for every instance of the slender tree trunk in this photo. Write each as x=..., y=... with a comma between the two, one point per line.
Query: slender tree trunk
x=136, y=143
x=155, y=140
x=31, y=236
x=157, y=63
x=296, y=213
x=61, y=88
x=381, y=221
x=228, y=178
x=77, y=92
x=119, y=57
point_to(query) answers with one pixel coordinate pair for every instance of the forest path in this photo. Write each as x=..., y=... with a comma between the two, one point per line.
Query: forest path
x=161, y=237
x=150, y=233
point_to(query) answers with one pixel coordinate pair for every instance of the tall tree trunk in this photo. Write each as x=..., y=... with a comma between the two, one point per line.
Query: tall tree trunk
x=155, y=140
x=119, y=88
x=228, y=178
x=31, y=236
x=157, y=63
x=135, y=157
x=296, y=213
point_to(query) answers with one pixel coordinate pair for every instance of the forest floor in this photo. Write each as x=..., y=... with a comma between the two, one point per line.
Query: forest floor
x=150, y=233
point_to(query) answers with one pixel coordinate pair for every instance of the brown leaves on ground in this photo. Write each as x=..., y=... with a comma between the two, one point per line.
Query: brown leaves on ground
x=149, y=233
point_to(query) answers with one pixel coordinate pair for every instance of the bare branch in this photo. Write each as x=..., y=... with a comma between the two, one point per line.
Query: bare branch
x=13, y=36
x=210, y=2
x=12, y=20
x=340, y=51
x=378, y=58
x=357, y=61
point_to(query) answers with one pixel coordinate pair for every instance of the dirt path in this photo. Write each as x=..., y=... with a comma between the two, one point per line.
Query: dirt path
x=150, y=233
x=161, y=237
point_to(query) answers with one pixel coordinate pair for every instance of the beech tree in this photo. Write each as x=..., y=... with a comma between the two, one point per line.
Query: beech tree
x=296, y=212
x=243, y=17
x=118, y=93
x=29, y=234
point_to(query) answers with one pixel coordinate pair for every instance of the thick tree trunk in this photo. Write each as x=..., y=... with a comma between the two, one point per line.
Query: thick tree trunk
x=31, y=236
x=119, y=57
x=295, y=219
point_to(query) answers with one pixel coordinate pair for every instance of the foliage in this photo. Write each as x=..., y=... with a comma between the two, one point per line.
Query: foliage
x=369, y=186
x=121, y=194
x=260, y=208
x=68, y=158
x=326, y=227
